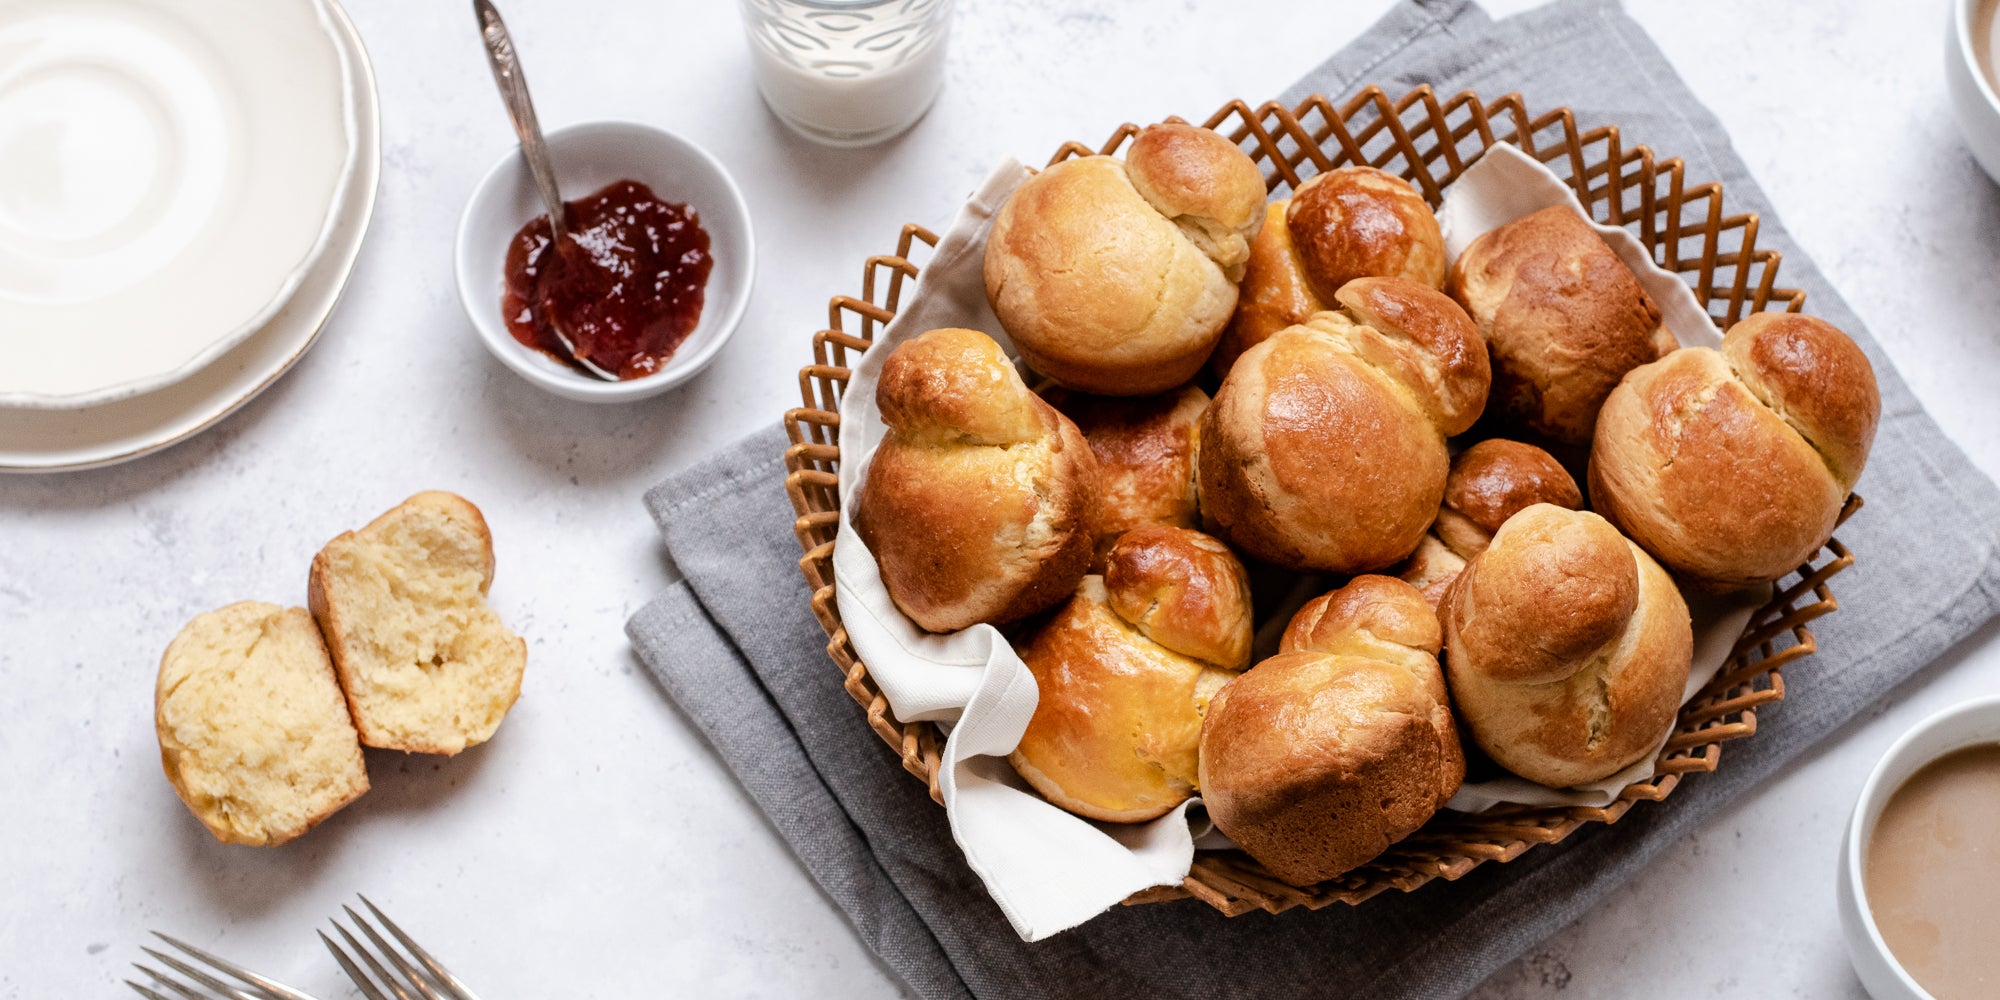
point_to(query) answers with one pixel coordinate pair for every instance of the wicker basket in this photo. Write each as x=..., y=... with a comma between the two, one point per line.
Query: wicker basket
x=1430, y=142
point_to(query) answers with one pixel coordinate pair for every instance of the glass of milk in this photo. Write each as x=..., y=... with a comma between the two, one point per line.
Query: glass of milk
x=848, y=72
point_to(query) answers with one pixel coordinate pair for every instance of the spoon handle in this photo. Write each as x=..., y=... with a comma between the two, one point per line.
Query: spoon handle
x=507, y=74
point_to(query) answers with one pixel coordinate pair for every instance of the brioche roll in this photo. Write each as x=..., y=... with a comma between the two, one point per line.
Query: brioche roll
x=1563, y=318
x=1202, y=183
x=1567, y=648
x=254, y=734
x=1125, y=671
x=1145, y=448
x=1731, y=466
x=1322, y=756
x=1273, y=295
x=1116, y=277
x=1489, y=483
x=1361, y=222
x=1325, y=447
x=427, y=664
x=1184, y=590
x=981, y=502
x=1347, y=223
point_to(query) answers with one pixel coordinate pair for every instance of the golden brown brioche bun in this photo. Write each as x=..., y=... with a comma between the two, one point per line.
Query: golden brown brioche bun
x=1353, y=222
x=1731, y=466
x=1273, y=295
x=1567, y=648
x=1116, y=277
x=1489, y=483
x=1563, y=318
x=1205, y=184
x=1325, y=447
x=1184, y=590
x=980, y=505
x=1145, y=447
x=1422, y=340
x=1360, y=222
x=1322, y=756
x=1117, y=726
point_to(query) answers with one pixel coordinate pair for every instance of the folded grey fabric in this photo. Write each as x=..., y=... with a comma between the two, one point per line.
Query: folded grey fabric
x=736, y=646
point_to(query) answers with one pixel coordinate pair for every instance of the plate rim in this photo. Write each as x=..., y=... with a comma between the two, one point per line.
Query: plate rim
x=332, y=22
x=363, y=96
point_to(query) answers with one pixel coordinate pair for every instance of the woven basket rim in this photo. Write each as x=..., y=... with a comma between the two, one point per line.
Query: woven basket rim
x=1669, y=216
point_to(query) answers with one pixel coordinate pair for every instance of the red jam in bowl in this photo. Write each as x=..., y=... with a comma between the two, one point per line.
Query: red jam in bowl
x=626, y=287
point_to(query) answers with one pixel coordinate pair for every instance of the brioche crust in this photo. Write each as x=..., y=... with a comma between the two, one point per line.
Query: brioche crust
x=1273, y=294
x=1145, y=448
x=1116, y=277
x=1325, y=447
x=1342, y=225
x=1563, y=318
x=1183, y=590
x=1124, y=673
x=1422, y=338
x=1204, y=183
x=981, y=503
x=1731, y=466
x=1361, y=222
x=1489, y=482
x=1567, y=648
x=1322, y=756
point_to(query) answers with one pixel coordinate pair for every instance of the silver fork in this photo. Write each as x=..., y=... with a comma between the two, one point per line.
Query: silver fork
x=259, y=987
x=426, y=976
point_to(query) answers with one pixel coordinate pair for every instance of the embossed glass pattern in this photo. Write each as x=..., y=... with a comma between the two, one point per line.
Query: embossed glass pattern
x=848, y=72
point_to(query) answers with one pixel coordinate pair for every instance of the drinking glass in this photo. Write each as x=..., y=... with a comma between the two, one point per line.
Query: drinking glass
x=848, y=72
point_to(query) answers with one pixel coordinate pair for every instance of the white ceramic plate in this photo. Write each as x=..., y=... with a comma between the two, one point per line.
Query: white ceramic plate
x=34, y=440
x=169, y=171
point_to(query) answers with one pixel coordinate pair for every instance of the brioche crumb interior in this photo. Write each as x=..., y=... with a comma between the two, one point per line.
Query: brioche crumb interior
x=253, y=725
x=428, y=665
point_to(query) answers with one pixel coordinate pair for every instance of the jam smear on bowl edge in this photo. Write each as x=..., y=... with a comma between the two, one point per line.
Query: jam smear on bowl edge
x=627, y=287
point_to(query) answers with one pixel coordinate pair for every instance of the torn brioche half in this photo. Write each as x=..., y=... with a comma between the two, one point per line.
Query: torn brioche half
x=254, y=733
x=426, y=665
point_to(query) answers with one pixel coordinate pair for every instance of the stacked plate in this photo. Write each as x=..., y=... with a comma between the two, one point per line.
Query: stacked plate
x=183, y=190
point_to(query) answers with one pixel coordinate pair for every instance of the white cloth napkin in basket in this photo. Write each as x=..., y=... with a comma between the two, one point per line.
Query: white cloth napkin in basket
x=1048, y=869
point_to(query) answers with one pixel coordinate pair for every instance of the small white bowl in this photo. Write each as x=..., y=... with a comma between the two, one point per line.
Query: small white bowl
x=588, y=157
x=1973, y=99
x=1970, y=724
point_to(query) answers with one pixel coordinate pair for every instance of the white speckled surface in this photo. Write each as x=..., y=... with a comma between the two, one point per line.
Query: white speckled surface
x=596, y=828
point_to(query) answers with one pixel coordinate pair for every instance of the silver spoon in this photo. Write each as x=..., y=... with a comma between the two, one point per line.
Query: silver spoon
x=514, y=93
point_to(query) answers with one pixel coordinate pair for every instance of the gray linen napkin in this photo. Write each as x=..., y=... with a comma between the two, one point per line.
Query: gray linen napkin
x=736, y=646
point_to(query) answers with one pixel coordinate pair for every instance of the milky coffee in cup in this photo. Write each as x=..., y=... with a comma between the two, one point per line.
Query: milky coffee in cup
x=1933, y=874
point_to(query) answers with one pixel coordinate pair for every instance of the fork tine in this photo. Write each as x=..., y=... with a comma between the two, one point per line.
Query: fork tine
x=195, y=974
x=144, y=992
x=164, y=980
x=353, y=971
x=444, y=976
x=375, y=966
x=410, y=972
x=271, y=987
